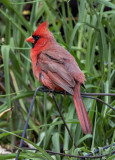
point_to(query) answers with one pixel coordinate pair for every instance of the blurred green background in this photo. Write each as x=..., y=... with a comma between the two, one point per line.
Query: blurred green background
x=87, y=30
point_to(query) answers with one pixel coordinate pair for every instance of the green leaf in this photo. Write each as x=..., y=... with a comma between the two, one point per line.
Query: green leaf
x=56, y=144
x=5, y=55
x=106, y=3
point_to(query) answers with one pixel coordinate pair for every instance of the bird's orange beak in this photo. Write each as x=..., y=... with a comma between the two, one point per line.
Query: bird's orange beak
x=30, y=39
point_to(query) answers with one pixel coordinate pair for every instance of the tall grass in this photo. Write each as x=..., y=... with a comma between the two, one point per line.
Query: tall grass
x=91, y=41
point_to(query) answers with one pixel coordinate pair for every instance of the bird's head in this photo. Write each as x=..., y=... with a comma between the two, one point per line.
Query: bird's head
x=41, y=36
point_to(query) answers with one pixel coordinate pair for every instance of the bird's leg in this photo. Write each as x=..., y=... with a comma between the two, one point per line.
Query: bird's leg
x=65, y=93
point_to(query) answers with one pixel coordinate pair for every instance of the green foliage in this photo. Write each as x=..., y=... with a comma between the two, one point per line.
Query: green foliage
x=91, y=41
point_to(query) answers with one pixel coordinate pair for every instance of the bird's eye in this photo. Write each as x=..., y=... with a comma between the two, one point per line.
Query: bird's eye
x=36, y=38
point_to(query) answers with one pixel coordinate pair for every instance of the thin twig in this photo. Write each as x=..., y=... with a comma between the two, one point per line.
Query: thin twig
x=26, y=124
x=70, y=155
x=98, y=99
x=98, y=94
x=64, y=121
x=97, y=150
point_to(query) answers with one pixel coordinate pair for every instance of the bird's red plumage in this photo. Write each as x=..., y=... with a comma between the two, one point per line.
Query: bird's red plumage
x=57, y=69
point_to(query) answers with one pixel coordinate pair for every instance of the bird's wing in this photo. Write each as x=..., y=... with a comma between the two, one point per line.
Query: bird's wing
x=54, y=67
x=59, y=54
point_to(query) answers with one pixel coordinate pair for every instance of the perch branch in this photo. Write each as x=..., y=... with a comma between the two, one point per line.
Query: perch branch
x=85, y=95
x=44, y=89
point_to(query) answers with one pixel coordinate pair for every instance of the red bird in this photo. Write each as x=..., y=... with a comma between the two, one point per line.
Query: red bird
x=57, y=69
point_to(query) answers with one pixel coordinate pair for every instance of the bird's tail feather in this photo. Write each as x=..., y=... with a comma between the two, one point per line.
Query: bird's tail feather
x=81, y=111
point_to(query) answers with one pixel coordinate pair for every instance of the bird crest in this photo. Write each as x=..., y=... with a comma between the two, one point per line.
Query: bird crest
x=42, y=28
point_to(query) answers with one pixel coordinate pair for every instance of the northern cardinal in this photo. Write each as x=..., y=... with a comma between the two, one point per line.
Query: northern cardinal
x=57, y=69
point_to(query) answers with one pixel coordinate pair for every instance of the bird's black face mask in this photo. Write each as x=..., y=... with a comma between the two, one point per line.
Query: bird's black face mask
x=35, y=40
